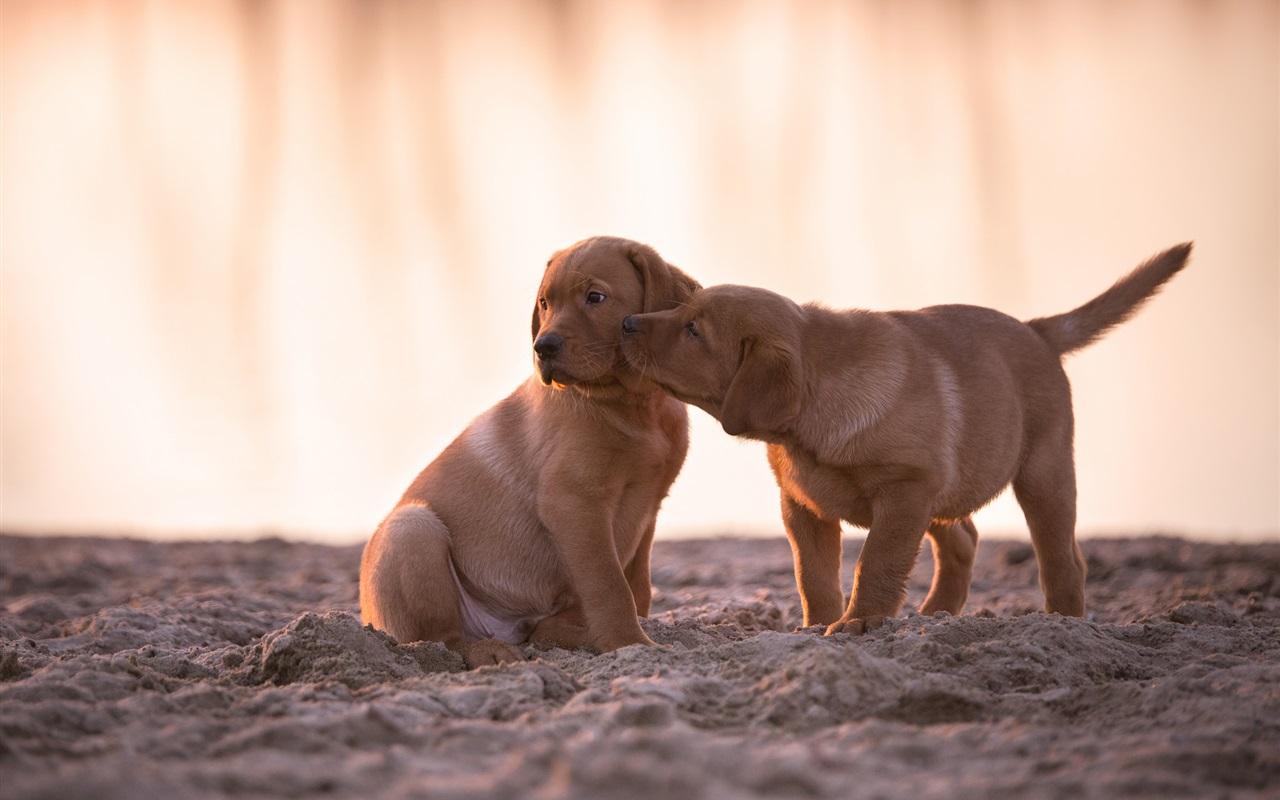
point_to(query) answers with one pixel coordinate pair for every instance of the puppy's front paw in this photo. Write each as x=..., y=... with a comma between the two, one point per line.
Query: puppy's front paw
x=618, y=642
x=555, y=633
x=855, y=625
x=488, y=652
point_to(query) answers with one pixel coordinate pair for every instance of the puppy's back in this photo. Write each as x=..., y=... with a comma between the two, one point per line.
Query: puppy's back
x=1000, y=380
x=982, y=344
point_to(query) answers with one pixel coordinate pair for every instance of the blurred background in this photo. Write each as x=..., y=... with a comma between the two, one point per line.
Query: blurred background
x=262, y=261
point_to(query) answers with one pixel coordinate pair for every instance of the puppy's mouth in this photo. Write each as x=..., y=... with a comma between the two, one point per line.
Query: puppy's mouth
x=557, y=377
x=644, y=374
x=709, y=404
x=634, y=353
x=549, y=374
x=704, y=401
x=642, y=364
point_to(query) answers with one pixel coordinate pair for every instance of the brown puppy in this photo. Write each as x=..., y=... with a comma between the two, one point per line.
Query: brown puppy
x=899, y=422
x=536, y=522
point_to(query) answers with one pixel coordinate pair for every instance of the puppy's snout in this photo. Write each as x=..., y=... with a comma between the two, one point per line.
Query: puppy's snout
x=629, y=324
x=548, y=345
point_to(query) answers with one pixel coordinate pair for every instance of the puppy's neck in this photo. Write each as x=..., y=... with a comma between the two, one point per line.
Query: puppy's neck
x=623, y=396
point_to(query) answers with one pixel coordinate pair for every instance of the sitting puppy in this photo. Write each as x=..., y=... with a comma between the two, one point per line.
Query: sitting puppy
x=899, y=422
x=536, y=522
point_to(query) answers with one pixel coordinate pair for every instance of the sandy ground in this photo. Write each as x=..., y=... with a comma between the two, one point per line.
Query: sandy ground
x=131, y=669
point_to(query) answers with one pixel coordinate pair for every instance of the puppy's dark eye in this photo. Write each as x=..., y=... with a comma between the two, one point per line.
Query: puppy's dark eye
x=542, y=303
x=594, y=297
x=691, y=329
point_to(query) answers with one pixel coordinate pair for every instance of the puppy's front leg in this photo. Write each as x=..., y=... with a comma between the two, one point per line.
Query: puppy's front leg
x=581, y=528
x=815, y=551
x=898, y=521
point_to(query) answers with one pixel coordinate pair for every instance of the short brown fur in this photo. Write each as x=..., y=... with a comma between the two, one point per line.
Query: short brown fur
x=538, y=519
x=903, y=422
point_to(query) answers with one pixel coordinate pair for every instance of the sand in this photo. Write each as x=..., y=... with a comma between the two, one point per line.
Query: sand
x=133, y=669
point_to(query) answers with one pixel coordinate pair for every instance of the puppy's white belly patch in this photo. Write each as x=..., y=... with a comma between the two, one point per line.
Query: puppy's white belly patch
x=478, y=622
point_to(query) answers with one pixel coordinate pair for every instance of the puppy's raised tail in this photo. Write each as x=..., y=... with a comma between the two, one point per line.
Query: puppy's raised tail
x=1086, y=324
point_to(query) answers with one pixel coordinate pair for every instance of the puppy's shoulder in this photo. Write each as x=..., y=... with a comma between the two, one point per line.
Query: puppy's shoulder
x=841, y=337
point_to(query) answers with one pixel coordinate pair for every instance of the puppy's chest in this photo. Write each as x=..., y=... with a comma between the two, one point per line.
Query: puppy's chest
x=647, y=461
x=654, y=451
x=830, y=492
x=647, y=464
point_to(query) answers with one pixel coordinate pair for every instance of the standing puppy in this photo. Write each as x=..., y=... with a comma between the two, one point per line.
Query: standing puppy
x=899, y=422
x=536, y=522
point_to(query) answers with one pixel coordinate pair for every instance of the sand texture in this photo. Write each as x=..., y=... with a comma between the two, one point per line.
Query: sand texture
x=134, y=670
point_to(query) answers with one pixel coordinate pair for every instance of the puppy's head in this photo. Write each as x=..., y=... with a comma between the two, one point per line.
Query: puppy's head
x=733, y=351
x=587, y=290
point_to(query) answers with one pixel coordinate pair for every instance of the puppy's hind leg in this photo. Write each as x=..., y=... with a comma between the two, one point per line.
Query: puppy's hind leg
x=1046, y=490
x=407, y=587
x=954, y=546
x=638, y=576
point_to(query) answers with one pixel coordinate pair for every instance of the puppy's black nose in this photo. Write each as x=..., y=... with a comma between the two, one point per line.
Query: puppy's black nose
x=629, y=324
x=548, y=345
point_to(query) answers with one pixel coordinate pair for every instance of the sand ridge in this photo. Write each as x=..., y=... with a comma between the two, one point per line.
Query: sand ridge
x=131, y=669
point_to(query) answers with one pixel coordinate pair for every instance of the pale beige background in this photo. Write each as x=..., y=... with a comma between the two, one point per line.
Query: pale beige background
x=262, y=261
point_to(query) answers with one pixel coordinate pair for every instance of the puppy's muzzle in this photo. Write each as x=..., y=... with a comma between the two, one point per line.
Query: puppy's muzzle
x=548, y=346
x=629, y=324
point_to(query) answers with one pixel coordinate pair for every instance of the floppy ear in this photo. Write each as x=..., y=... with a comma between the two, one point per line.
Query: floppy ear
x=664, y=286
x=764, y=395
x=537, y=323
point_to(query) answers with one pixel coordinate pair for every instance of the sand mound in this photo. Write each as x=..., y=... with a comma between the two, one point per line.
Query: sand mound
x=131, y=669
x=333, y=646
